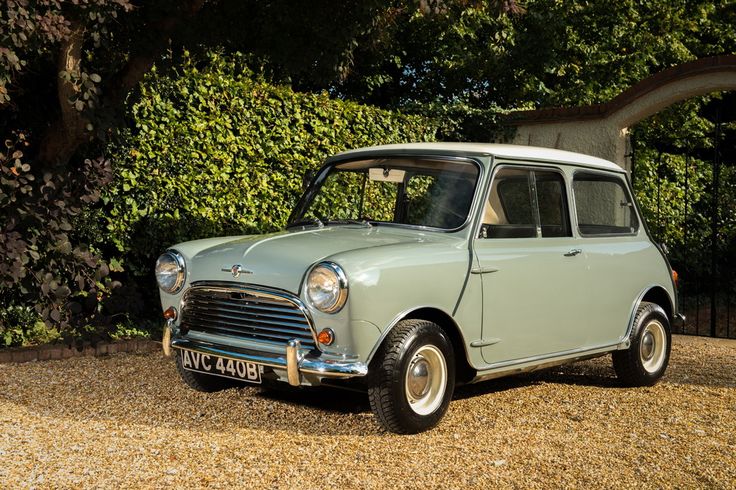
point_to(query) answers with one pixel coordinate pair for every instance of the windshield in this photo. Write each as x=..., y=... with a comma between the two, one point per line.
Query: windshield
x=407, y=191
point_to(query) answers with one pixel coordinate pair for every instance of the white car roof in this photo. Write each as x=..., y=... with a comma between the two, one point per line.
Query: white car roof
x=498, y=150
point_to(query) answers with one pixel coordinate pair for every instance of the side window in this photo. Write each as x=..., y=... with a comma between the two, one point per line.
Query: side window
x=525, y=200
x=515, y=197
x=553, y=215
x=509, y=212
x=603, y=205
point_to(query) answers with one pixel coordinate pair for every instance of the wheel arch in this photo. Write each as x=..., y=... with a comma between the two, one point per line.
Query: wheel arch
x=658, y=295
x=652, y=294
x=464, y=372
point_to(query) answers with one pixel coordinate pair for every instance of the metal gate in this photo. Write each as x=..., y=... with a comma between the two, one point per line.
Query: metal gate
x=702, y=247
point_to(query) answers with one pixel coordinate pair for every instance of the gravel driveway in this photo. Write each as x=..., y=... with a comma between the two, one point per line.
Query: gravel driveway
x=126, y=420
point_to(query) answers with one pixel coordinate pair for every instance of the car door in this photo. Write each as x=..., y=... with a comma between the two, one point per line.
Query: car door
x=616, y=252
x=531, y=266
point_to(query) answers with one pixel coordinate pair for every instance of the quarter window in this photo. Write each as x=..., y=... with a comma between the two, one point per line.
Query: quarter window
x=515, y=194
x=603, y=205
x=553, y=215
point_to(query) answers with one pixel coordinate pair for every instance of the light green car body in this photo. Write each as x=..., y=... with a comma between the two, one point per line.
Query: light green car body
x=510, y=305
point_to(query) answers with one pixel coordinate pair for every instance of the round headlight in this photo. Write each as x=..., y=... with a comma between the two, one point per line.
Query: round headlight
x=170, y=271
x=327, y=287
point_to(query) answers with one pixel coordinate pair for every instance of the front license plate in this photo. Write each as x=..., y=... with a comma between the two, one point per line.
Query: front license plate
x=220, y=366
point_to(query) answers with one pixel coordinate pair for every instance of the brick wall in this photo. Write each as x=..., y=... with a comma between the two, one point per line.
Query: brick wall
x=50, y=352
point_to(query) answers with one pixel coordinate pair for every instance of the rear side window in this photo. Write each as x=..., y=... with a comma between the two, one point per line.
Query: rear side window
x=603, y=205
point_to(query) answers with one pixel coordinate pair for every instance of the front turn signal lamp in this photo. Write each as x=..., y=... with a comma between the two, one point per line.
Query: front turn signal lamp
x=326, y=336
x=170, y=313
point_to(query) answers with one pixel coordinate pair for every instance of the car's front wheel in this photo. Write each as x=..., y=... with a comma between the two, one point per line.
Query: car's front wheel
x=646, y=359
x=412, y=378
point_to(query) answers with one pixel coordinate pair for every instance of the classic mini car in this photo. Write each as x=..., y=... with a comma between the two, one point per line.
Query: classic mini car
x=408, y=269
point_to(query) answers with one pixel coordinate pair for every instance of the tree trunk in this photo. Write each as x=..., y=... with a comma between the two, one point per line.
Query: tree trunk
x=68, y=132
x=65, y=135
x=142, y=61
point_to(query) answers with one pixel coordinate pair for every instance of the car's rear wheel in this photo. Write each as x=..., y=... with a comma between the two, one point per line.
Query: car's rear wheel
x=412, y=377
x=200, y=381
x=646, y=359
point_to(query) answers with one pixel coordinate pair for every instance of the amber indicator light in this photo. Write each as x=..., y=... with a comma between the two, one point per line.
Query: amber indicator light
x=326, y=336
x=170, y=313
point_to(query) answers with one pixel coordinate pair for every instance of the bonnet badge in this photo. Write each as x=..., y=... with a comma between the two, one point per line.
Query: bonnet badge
x=236, y=270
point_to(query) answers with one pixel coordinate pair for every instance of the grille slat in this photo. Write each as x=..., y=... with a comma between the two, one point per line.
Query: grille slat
x=241, y=321
x=238, y=330
x=239, y=303
x=244, y=313
x=295, y=320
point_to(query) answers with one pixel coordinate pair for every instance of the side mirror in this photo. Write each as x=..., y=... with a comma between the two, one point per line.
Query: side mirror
x=307, y=179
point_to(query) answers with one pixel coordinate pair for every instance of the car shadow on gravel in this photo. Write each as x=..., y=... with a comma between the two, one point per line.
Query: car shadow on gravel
x=340, y=401
x=351, y=413
x=326, y=398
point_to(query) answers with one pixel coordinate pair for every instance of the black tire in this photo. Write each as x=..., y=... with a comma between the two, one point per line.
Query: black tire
x=424, y=347
x=200, y=381
x=646, y=359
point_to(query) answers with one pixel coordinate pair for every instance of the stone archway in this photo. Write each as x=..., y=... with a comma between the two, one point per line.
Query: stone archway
x=602, y=129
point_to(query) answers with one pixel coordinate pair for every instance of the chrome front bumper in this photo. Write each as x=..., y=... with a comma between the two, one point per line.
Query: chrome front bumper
x=679, y=320
x=292, y=360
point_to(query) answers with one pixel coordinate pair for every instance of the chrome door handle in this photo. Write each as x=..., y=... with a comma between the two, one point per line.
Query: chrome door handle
x=573, y=252
x=483, y=270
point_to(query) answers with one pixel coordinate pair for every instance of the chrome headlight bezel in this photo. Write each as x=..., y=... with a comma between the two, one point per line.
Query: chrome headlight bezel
x=338, y=294
x=171, y=257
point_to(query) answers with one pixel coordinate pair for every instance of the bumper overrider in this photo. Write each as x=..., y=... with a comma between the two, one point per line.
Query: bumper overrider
x=293, y=361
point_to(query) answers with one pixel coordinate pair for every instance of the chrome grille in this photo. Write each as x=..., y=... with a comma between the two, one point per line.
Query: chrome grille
x=252, y=313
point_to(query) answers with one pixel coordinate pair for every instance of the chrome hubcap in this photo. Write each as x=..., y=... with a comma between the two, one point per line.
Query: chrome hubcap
x=647, y=346
x=426, y=380
x=653, y=346
x=418, y=381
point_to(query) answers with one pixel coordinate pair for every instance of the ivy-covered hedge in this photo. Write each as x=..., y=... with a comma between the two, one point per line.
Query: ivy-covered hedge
x=214, y=149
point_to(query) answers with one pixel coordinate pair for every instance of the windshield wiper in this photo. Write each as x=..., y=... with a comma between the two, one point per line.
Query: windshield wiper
x=361, y=222
x=306, y=222
x=322, y=222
